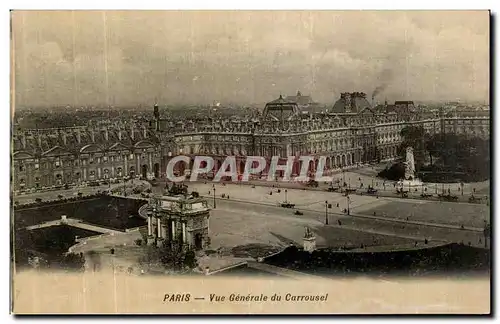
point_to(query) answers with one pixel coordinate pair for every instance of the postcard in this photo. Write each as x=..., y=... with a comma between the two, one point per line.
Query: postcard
x=250, y=162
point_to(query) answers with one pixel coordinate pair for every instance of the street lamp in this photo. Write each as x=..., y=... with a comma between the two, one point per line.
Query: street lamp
x=326, y=212
x=286, y=191
x=213, y=187
x=348, y=203
x=487, y=233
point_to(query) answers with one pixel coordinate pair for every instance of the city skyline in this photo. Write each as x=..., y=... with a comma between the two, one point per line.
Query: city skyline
x=188, y=57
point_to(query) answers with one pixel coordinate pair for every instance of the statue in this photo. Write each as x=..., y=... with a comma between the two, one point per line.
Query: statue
x=308, y=233
x=410, y=180
x=309, y=241
x=409, y=164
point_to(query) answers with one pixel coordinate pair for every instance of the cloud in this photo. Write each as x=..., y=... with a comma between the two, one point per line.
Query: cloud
x=130, y=58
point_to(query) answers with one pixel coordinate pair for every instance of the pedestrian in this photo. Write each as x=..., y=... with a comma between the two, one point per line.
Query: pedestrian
x=339, y=222
x=337, y=204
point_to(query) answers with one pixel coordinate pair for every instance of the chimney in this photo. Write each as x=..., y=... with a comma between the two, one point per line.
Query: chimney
x=120, y=134
x=106, y=134
x=39, y=138
x=144, y=132
x=92, y=135
x=64, y=138
x=79, y=136
x=206, y=271
x=132, y=131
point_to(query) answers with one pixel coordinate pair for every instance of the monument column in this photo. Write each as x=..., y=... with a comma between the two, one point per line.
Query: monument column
x=138, y=169
x=126, y=171
x=150, y=229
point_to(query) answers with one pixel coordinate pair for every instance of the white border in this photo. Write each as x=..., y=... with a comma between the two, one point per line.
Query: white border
x=200, y=4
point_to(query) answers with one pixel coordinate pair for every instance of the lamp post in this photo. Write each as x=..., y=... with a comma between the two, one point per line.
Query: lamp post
x=213, y=187
x=348, y=203
x=326, y=212
x=487, y=233
x=286, y=191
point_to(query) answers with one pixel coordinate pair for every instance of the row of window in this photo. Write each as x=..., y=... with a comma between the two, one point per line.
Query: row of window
x=91, y=160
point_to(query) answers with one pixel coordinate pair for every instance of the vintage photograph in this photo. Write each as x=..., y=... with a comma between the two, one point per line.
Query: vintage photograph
x=257, y=161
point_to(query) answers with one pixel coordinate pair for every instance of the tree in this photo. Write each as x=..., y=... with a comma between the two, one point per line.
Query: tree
x=72, y=261
x=177, y=256
x=170, y=255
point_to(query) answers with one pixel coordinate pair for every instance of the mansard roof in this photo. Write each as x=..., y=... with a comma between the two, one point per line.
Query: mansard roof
x=76, y=141
x=300, y=99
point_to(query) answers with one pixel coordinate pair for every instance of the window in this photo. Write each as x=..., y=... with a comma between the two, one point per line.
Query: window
x=37, y=166
x=21, y=167
x=58, y=164
x=131, y=157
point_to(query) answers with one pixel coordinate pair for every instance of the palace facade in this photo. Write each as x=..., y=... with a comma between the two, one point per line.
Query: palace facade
x=351, y=132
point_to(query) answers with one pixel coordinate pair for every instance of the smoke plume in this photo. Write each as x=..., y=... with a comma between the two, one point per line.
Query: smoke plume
x=384, y=79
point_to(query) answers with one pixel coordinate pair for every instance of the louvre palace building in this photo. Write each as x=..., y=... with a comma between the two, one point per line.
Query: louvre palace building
x=351, y=132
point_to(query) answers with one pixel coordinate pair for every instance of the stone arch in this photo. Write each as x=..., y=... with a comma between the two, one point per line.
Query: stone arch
x=343, y=160
x=327, y=162
x=311, y=166
x=241, y=166
x=348, y=158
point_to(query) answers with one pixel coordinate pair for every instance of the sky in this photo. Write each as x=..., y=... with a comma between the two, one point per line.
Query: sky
x=128, y=58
